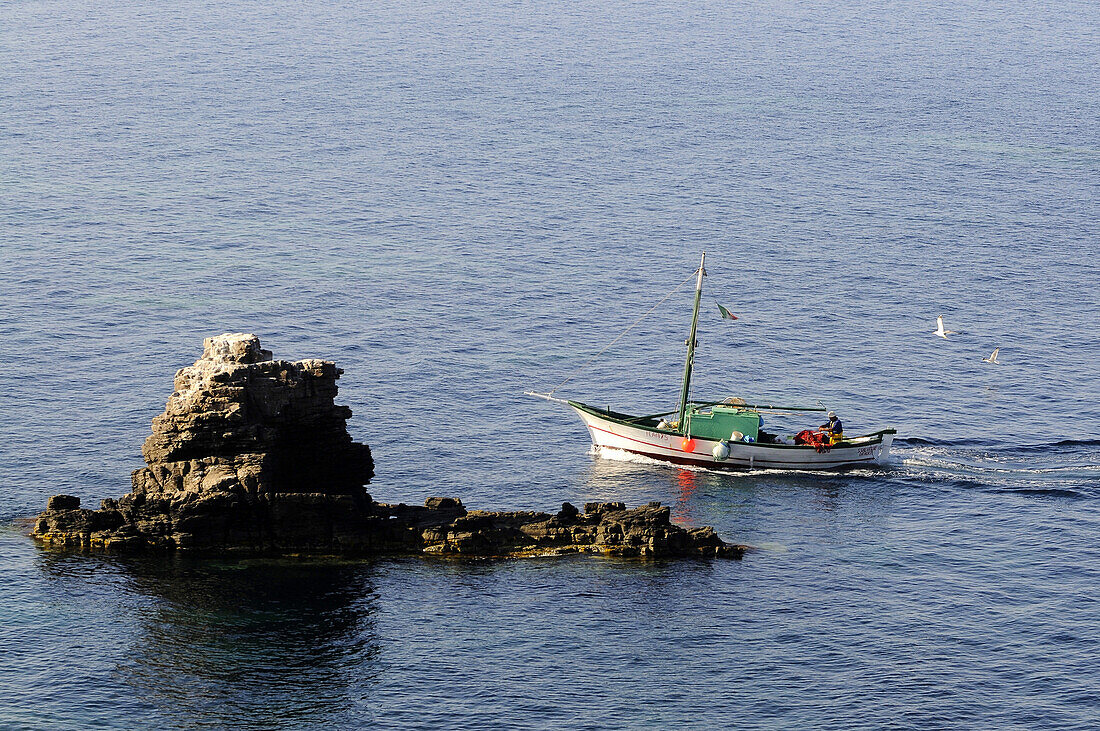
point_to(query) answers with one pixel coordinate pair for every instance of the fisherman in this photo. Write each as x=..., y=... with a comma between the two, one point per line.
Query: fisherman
x=834, y=428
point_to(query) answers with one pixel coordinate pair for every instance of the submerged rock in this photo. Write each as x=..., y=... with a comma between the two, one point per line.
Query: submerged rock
x=252, y=454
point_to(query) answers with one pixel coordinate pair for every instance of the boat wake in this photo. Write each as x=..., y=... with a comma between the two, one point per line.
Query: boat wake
x=1044, y=447
x=1069, y=468
x=1064, y=469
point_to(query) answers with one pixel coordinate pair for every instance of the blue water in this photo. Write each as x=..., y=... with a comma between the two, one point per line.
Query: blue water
x=460, y=201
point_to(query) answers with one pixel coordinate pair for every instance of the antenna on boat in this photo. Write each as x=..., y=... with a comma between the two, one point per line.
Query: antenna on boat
x=691, y=343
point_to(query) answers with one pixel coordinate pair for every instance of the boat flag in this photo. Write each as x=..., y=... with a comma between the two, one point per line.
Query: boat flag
x=726, y=314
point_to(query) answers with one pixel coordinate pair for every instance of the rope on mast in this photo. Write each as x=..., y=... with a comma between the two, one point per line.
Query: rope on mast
x=624, y=332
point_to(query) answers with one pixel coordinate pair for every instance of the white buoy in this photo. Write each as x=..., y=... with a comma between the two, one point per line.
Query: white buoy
x=736, y=436
x=720, y=452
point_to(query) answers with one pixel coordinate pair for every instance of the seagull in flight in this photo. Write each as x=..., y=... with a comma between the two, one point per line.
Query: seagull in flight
x=940, y=331
x=993, y=357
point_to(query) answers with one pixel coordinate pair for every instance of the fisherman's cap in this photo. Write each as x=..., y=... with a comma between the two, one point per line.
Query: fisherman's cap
x=832, y=413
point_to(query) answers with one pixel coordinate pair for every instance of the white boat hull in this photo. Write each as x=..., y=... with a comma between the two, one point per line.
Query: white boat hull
x=668, y=446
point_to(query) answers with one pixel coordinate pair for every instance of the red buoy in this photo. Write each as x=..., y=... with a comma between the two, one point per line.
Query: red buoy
x=687, y=444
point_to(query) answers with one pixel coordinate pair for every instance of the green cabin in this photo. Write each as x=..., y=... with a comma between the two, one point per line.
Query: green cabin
x=721, y=421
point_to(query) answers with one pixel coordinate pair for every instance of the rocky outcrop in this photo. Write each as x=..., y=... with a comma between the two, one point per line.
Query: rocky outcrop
x=252, y=454
x=341, y=524
x=239, y=421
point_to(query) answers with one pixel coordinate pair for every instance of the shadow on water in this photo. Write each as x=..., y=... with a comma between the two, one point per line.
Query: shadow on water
x=243, y=644
x=183, y=643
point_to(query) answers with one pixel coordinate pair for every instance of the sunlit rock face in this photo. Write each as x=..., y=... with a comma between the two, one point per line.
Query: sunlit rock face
x=238, y=420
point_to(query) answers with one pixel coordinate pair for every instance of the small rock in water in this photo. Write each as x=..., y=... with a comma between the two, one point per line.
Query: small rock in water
x=63, y=502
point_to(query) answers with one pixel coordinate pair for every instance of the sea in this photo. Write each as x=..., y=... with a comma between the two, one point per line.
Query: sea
x=461, y=201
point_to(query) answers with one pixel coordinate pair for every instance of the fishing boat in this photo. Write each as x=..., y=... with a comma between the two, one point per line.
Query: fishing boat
x=723, y=434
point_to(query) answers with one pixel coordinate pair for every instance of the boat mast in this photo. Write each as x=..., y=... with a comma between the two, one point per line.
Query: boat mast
x=691, y=345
